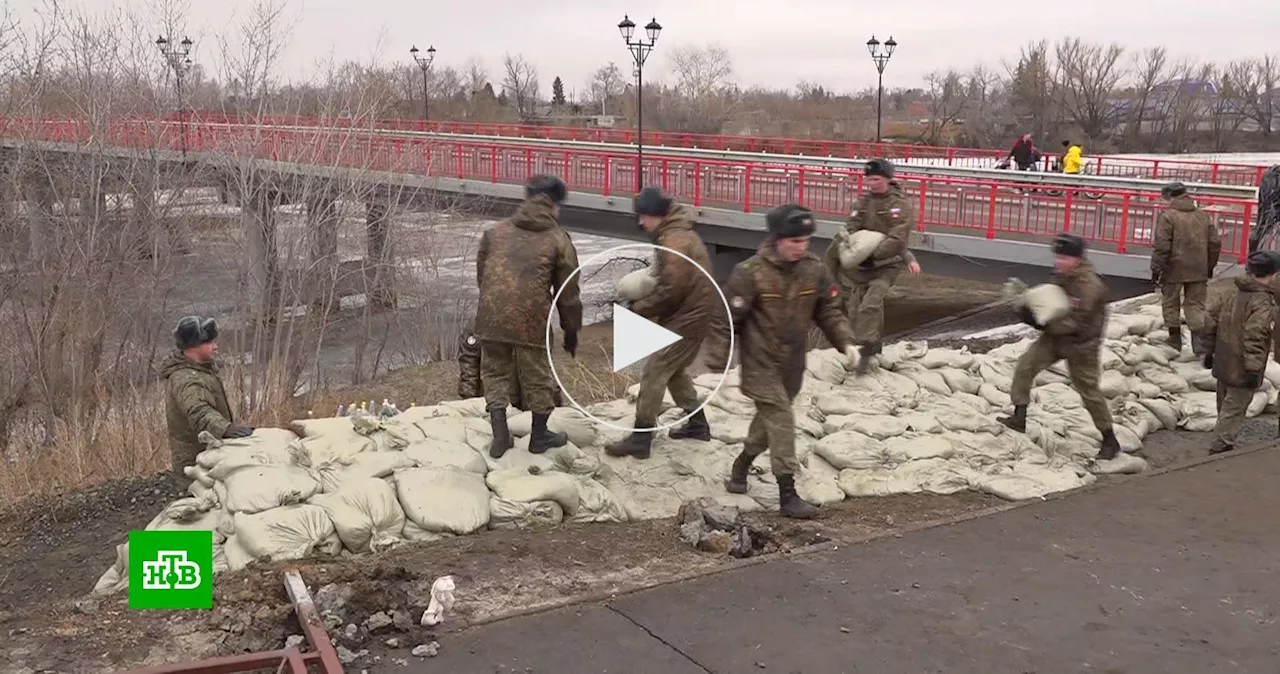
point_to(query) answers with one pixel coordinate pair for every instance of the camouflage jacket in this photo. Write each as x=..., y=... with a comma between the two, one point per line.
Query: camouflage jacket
x=520, y=265
x=1085, y=322
x=469, y=385
x=890, y=214
x=773, y=303
x=685, y=300
x=1186, y=245
x=194, y=401
x=1238, y=329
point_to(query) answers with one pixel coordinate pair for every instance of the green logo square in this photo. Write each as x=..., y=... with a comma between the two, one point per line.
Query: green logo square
x=171, y=569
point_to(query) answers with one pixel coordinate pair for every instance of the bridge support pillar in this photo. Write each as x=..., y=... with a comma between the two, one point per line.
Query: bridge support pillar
x=257, y=216
x=724, y=259
x=379, y=255
x=40, y=230
x=322, y=232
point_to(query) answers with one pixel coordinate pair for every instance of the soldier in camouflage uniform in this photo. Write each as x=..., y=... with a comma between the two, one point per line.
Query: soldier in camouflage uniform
x=1075, y=337
x=520, y=265
x=685, y=302
x=195, y=400
x=881, y=208
x=773, y=299
x=1237, y=342
x=1184, y=253
x=469, y=381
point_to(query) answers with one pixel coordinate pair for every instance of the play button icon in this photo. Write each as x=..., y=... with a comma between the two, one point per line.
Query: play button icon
x=635, y=338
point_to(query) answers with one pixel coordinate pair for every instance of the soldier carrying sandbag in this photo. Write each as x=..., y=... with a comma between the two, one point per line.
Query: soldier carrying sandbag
x=1184, y=253
x=520, y=264
x=773, y=299
x=1237, y=344
x=885, y=210
x=470, y=384
x=1075, y=335
x=684, y=301
x=195, y=399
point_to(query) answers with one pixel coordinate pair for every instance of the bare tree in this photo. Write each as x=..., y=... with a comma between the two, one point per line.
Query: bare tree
x=520, y=84
x=606, y=83
x=701, y=71
x=1031, y=89
x=1150, y=68
x=1087, y=78
x=947, y=101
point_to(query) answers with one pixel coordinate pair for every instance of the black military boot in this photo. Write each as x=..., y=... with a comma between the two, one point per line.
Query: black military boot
x=1110, y=447
x=1175, y=338
x=541, y=439
x=502, y=440
x=737, y=482
x=637, y=444
x=789, y=502
x=696, y=428
x=866, y=351
x=1018, y=421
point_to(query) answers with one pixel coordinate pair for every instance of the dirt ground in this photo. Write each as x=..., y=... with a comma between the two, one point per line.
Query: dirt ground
x=52, y=551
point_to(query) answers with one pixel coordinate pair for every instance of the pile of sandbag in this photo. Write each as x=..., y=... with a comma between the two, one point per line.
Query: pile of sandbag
x=923, y=421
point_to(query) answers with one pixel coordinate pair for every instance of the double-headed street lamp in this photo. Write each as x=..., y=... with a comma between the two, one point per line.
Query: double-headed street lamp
x=881, y=58
x=639, y=51
x=424, y=62
x=178, y=57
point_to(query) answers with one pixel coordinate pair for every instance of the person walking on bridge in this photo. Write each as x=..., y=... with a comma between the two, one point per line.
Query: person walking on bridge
x=1024, y=153
x=1184, y=253
x=1072, y=158
x=774, y=297
x=520, y=264
x=195, y=399
x=885, y=209
x=685, y=302
x=1075, y=337
x=1237, y=344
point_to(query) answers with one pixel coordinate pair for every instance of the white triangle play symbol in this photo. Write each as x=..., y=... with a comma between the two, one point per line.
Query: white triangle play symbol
x=635, y=338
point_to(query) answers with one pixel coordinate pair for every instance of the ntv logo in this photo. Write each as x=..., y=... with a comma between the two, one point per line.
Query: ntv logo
x=170, y=571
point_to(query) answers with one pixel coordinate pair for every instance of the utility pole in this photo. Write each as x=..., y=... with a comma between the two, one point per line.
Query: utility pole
x=178, y=59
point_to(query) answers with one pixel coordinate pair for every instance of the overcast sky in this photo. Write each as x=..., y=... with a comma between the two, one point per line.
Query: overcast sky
x=773, y=44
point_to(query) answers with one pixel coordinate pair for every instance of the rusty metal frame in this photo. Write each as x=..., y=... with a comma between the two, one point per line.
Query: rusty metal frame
x=289, y=659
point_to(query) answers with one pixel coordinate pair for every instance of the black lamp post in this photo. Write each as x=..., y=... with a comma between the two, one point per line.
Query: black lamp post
x=639, y=51
x=424, y=62
x=881, y=58
x=177, y=56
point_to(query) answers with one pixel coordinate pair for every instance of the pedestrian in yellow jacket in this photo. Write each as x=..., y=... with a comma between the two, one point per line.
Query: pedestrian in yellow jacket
x=1073, y=158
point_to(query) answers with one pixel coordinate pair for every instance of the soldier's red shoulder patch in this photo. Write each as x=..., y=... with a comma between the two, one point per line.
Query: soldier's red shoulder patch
x=1075, y=302
x=833, y=291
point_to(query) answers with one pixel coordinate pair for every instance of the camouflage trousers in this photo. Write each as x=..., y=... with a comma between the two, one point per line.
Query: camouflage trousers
x=773, y=428
x=1083, y=368
x=1178, y=297
x=666, y=371
x=864, y=305
x=182, y=454
x=1233, y=403
x=506, y=366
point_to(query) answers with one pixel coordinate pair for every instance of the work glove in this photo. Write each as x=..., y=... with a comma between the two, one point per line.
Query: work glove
x=238, y=431
x=1024, y=313
x=1253, y=380
x=571, y=343
x=853, y=356
x=1208, y=361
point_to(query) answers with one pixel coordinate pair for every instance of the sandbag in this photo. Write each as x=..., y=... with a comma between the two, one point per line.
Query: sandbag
x=596, y=503
x=818, y=482
x=960, y=381
x=523, y=486
x=850, y=450
x=504, y=514
x=854, y=248
x=264, y=446
x=578, y=426
x=191, y=514
x=288, y=532
x=443, y=500
x=825, y=365
x=938, y=358
x=254, y=489
x=116, y=578
x=365, y=514
x=636, y=284
x=1048, y=302
x=341, y=470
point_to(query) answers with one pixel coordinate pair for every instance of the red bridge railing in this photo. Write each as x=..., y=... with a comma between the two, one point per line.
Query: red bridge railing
x=1115, y=219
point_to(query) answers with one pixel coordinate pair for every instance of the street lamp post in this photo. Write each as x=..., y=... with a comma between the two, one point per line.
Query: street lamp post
x=177, y=56
x=424, y=62
x=881, y=59
x=639, y=51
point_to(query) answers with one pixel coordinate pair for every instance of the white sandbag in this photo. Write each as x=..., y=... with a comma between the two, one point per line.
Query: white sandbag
x=922, y=422
x=826, y=365
x=1163, y=409
x=818, y=482
x=1123, y=464
x=254, y=489
x=936, y=358
x=809, y=426
x=504, y=514
x=523, y=486
x=895, y=355
x=1112, y=384
x=341, y=470
x=879, y=426
x=191, y=514
x=578, y=426
x=235, y=556
x=1130, y=441
x=1048, y=302
x=850, y=450
x=854, y=248
x=365, y=514
x=264, y=446
x=636, y=284
x=1198, y=411
x=848, y=402
x=443, y=500
x=1273, y=373
x=994, y=396
x=1257, y=405
x=930, y=380
x=116, y=578
x=918, y=446
x=596, y=503
x=435, y=453
x=960, y=381
x=878, y=482
x=1162, y=377
x=288, y=532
